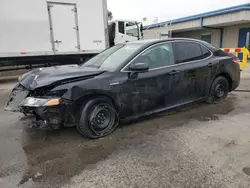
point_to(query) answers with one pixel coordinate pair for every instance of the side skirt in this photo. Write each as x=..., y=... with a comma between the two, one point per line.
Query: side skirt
x=163, y=109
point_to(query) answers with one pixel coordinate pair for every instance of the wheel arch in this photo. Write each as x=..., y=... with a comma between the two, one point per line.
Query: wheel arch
x=227, y=76
x=90, y=96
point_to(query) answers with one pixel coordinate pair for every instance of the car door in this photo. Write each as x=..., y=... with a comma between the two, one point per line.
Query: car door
x=152, y=89
x=193, y=71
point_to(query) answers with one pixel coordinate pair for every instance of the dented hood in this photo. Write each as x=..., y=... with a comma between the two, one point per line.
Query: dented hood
x=47, y=76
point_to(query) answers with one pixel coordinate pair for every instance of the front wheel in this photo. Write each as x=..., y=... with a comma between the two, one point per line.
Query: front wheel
x=219, y=90
x=98, y=118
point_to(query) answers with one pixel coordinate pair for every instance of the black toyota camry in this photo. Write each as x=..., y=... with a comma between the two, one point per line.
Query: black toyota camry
x=125, y=82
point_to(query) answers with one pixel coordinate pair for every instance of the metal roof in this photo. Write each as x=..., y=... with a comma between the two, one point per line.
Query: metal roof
x=203, y=15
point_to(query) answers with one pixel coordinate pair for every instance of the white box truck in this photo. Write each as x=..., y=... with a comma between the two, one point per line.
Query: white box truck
x=36, y=33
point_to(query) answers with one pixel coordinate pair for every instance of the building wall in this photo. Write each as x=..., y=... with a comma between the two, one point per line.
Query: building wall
x=212, y=21
x=231, y=22
x=231, y=35
x=195, y=34
x=188, y=25
x=215, y=38
x=155, y=33
x=226, y=19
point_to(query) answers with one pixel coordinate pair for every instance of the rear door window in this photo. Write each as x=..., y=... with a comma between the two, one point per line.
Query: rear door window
x=187, y=51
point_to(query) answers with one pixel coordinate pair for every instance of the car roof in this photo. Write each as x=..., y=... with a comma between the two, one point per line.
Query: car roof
x=149, y=42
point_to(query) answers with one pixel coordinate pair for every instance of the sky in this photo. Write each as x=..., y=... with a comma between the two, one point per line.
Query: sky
x=165, y=9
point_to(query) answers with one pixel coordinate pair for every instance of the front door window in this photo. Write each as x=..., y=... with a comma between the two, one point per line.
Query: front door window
x=158, y=56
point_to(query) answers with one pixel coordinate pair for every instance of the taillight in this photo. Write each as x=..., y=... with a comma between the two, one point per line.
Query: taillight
x=236, y=60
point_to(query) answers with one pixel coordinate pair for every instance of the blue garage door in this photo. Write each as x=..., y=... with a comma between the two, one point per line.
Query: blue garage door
x=242, y=39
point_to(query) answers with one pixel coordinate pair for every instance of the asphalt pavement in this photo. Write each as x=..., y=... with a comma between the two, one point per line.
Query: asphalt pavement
x=199, y=146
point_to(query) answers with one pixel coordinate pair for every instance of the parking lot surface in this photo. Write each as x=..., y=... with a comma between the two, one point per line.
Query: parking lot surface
x=199, y=146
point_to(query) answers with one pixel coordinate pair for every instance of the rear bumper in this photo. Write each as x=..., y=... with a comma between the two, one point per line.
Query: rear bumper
x=235, y=84
x=236, y=80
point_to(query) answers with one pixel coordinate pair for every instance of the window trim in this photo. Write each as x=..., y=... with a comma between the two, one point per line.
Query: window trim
x=211, y=54
x=207, y=34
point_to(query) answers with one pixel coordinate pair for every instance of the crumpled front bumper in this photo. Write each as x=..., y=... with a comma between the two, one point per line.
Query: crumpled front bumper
x=18, y=94
x=53, y=116
x=46, y=117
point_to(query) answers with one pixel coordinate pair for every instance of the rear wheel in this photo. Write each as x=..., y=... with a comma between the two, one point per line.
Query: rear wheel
x=98, y=118
x=219, y=90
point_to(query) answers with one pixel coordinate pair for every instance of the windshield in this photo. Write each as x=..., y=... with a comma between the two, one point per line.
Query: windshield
x=112, y=58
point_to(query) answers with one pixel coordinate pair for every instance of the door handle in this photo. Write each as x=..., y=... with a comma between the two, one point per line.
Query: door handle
x=174, y=72
x=210, y=64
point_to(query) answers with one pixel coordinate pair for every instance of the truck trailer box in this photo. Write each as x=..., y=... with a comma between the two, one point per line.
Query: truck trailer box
x=52, y=27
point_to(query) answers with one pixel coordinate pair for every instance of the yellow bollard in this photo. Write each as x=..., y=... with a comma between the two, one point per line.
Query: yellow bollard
x=245, y=57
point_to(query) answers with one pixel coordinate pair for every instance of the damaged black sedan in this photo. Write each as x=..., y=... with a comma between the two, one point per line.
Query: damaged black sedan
x=126, y=81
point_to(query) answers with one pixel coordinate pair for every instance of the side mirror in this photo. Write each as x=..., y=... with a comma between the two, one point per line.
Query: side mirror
x=139, y=67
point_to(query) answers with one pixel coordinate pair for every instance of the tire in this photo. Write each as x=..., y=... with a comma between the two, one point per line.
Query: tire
x=219, y=90
x=98, y=118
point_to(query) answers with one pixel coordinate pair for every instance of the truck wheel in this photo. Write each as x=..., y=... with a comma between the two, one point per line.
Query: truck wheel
x=219, y=90
x=98, y=118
